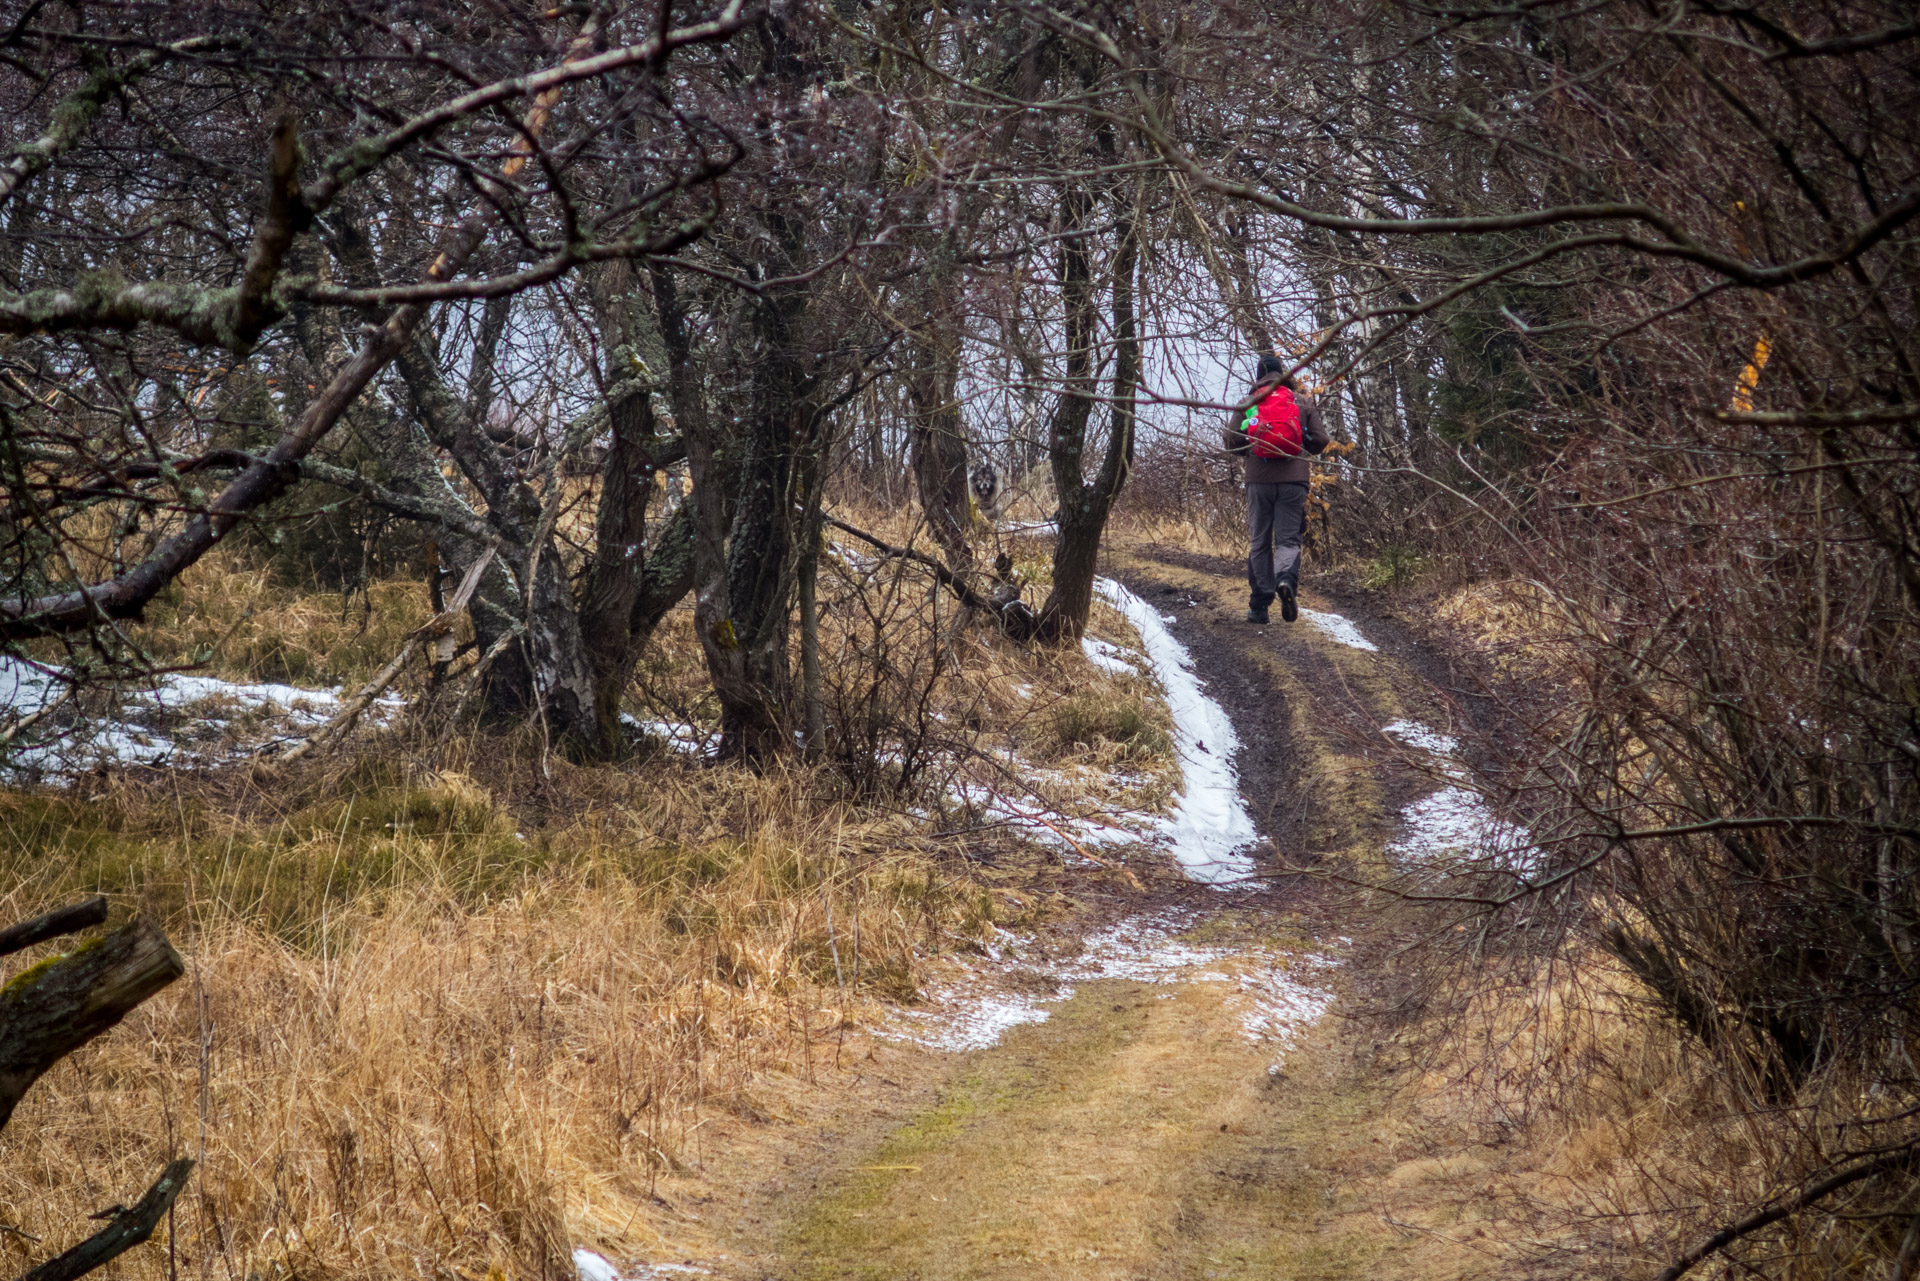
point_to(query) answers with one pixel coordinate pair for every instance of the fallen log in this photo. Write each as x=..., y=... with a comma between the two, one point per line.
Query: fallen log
x=51, y=1009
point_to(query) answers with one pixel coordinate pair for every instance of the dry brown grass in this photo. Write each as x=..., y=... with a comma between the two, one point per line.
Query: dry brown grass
x=1617, y=1141
x=398, y=1052
x=1644, y=1138
x=453, y=1006
x=231, y=615
x=1191, y=533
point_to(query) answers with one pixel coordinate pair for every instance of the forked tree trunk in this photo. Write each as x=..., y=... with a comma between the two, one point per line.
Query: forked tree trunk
x=1085, y=504
x=628, y=585
x=572, y=657
x=937, y=444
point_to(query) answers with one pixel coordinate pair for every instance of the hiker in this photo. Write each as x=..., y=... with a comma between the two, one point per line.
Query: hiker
x=1274, y=428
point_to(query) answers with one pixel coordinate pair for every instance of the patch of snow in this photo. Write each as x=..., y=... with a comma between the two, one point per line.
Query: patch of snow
x=1454, y=825
x=1279, y=1006
x=680, y=736
x=1340, y=628
x=1146, y=949
x=1423, y=738
x=590, y=1266
x=594, y=1267
x=1110, y=658
x=179, y=718
x=1275, y=997
x=1451, y=824
x=1210, y=829
x=24, y=689
x=315, y=705
x=859, y=560
x=1049, y=827
x=977, y=1021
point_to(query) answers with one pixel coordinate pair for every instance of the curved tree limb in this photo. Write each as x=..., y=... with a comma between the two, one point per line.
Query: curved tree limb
x=266, y=479
x=232, y=318
x=359, y=158
x=74, y=114
x=1813, y=1192
x=1675, y=241
x=946, y=577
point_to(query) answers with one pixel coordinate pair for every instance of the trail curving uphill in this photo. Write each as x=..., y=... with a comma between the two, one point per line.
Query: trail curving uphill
x=1161, y=1094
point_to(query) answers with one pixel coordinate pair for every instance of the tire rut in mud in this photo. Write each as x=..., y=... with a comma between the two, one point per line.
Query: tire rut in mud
x=1259, y=713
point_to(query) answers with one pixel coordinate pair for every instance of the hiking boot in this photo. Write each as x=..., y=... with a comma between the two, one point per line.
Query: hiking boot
x=1289, y=607
x=1258, y=615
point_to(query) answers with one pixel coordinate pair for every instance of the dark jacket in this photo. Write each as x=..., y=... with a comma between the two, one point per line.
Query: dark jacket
x=1276, y=471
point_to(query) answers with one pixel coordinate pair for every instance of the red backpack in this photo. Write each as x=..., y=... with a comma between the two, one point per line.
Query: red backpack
x=1273, y=426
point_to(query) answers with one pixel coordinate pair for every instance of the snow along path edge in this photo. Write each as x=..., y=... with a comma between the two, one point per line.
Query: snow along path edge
x=1210, y=829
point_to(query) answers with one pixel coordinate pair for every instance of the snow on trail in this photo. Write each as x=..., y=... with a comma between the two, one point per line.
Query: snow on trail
x=973, y=1008
x=1454, y=826
x=1210, y=830
x=1208, y=833
x=595, y=1267
x=1341, y=629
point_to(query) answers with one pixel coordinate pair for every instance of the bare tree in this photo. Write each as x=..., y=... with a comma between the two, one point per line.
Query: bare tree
x=498, y=162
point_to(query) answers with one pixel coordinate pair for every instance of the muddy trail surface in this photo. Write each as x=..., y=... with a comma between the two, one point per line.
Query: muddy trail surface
x=1173, y=1087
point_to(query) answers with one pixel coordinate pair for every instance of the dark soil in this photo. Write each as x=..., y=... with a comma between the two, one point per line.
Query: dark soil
x=1460, y=693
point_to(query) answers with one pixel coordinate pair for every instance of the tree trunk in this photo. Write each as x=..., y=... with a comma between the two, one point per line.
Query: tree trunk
x=610, y=596
x=938, y=444
x=746, y=554
x=553, y=669
x=1084, y=505
x=810, y=693
x=751, y=675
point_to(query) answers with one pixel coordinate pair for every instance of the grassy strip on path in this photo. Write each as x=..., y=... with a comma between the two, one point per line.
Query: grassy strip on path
x=1137, y=1133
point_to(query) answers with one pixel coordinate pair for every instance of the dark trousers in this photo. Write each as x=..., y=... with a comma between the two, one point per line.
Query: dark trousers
x=1276, y=517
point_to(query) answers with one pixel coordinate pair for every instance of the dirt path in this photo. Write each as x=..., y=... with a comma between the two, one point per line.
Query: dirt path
x=1188, y=1117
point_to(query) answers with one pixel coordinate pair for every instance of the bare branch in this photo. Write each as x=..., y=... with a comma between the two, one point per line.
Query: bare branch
x=62, y=920
x=1813, y=1192
x=130, y=1227
x=75, y=113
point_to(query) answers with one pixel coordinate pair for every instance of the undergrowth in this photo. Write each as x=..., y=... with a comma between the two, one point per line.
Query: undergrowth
x=454, y=1003
x=438, y=1024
